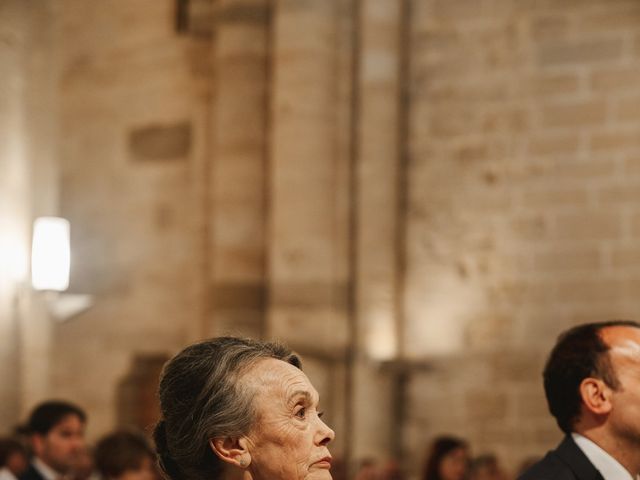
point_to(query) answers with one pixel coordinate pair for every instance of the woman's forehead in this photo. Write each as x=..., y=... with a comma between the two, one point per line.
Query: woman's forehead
x=280, y=377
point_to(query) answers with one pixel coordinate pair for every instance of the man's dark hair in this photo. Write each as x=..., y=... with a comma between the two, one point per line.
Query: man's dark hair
x=122, y=451
x=579, y=353
x=48, y=414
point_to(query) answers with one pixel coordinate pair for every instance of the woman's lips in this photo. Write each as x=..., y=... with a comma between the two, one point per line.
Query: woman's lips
x=323, y=463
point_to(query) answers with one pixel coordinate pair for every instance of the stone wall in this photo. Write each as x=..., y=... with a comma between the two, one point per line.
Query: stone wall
x=523, y=207
x=417, y=195
x=28, y=189
x=14, y=197
x=134, y=122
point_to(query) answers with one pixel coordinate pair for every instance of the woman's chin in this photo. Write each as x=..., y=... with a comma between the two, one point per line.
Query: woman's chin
x=319, y=474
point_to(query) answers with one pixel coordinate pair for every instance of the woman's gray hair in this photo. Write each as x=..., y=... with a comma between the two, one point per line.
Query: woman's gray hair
x=202, y=397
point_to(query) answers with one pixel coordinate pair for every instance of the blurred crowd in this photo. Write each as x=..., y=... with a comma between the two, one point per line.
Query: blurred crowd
x=447, y=458
x=51, y=446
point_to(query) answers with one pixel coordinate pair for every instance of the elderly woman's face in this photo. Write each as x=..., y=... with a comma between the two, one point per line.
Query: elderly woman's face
x=289, y=440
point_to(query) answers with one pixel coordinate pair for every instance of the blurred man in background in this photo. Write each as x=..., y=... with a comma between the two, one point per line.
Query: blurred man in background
x=56, y=433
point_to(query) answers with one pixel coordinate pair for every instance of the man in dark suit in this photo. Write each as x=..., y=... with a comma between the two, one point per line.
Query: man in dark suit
x=592, y=384
x=56, y=430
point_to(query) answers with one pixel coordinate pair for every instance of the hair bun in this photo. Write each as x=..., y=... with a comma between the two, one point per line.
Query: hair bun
x=165, y=460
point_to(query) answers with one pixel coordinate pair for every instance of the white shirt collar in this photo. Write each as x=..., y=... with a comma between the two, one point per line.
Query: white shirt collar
x=45, y=470
x=6, y=474
x=609, y=467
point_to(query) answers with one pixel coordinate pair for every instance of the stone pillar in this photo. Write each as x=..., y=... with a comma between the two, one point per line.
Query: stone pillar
x=307, y=268
x=14, y=199
x=28, y=188
x=378, y=226
x=308, y=181
x=41, y=121
x=238, y=198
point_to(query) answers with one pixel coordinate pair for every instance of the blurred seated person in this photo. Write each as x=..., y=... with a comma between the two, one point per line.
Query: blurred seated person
x=125, y=455
x=238, y=409
x=486, y=467
x=391, y=470
x=370, y=469
x=448, y=459
x=56, y=433
x=526, y=464
x=83, y=467
x=13, y=459
x=367, y=470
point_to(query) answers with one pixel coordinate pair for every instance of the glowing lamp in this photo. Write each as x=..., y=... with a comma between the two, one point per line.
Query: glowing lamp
x=50, y=254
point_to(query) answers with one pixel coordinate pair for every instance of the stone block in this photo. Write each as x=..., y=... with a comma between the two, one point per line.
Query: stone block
x=635, y=224
x=615, y=196
x=553, y=143
x=550, y=27
x=233, y=296
x=555, y=84
x=618, y=16
x=574, y=114
x=511, y=367
x=614, y=78
x=487, y=405
x=554, y=54
x=589, y=225
x=577, y=258
x=160, y=143
x=530, y=402
x=555, y=197
x=256, y=12
x=627, y=110
x=611, y=140
x=631, y=164
x=529, y=228
x=584, y=290
x=625, y=256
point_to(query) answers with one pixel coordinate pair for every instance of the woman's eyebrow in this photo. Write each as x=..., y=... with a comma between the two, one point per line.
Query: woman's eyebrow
x=300, y=393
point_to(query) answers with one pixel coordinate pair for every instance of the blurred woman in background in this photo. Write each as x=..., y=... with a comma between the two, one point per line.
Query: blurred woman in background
x=448, y=459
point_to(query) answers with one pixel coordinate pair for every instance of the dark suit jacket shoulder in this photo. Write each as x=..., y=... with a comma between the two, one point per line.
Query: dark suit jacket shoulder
x=31, y=474
x=567, y=462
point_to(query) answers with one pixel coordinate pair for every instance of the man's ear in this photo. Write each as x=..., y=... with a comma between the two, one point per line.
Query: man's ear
x=232, y=450
x=596, y=395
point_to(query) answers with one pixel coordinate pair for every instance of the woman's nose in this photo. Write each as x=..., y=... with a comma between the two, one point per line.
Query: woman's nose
x=325, y=434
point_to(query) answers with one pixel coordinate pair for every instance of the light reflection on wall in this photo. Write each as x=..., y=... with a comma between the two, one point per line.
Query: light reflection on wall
x=438, y=315
x=381, y=337
x=13, y=254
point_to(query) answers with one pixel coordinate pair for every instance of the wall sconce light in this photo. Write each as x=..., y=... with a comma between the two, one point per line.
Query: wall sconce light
x=50, y=254
x=50, y=267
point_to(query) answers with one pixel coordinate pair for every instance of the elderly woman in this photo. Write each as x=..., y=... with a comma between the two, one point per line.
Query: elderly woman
x=240, y=409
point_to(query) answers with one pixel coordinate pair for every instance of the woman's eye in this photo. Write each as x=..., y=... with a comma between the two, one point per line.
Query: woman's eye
x=301, y=413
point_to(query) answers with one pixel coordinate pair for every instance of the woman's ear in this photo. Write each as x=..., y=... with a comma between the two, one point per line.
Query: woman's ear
x=596, y=395
x=232, y=450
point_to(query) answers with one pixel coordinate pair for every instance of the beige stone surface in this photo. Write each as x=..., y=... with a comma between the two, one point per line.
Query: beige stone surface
x=307, y=226
x=239, y=179
x=138, y=232
x=530, y=230
x=427, y=190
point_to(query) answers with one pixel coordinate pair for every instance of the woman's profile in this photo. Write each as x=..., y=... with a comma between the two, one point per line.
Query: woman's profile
x=240, y=409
